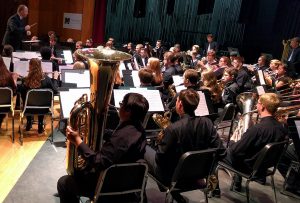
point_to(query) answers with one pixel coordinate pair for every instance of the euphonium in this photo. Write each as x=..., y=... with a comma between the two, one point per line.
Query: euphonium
x=246, y=102
x=92, y=115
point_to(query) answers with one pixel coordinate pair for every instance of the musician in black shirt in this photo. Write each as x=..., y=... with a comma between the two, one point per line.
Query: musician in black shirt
x=126, y=145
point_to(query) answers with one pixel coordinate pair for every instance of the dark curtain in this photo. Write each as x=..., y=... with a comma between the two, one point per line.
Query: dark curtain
x=99, y=22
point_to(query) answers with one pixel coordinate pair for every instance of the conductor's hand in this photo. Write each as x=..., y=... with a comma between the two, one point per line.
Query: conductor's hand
x=55, y=75
x=28, y=33
x=73, y=136
x=27, y=27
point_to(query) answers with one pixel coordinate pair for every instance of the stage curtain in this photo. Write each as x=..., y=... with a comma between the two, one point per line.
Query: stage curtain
x=99, y=22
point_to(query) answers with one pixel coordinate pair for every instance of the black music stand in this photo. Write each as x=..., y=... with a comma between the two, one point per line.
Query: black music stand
x=29, y=43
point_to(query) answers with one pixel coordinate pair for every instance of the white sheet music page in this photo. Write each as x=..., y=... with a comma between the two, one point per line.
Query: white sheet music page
x=21, y=67
x=47, y=68
x=136, y=78
x=153, y=97
x=260, y=90
x=202, y=109
x=179, y=88
x=68, y=98
x=7, y=61
x=68, y=56
x=82, y=79
x=178, y=80
x=261, y=77
x=297, y=122
x=68, y=66
x=121, y=67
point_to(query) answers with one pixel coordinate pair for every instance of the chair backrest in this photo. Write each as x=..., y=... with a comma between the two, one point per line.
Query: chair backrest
x=6, y=99
x=39, y=99
x=228, y=112
x=194, y=165
x=120, y=179
x=269, y=157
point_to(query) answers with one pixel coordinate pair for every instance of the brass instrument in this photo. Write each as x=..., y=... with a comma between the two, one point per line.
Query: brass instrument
x=172, y=91
x=283, y=112
x=163, y=121
x=246, y=102
x=92, y=115
x=285, y=52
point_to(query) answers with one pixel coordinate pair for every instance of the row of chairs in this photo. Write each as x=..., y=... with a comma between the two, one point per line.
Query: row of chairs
x=193, y=165
x=37, y=102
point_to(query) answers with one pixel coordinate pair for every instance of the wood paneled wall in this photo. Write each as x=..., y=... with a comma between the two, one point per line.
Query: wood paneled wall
x=49, y=16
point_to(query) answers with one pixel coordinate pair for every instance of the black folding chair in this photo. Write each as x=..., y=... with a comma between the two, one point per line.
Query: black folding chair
x=7, y=106
x=192, y=166
x=226, y=119
x=265, y=165
x=120, y=181
x=38, y=102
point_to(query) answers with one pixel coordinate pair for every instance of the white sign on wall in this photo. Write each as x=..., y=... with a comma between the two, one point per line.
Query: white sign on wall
x=72, y=21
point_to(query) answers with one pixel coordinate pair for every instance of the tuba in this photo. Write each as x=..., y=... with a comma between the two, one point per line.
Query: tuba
x=246, y=102
x=89, y=118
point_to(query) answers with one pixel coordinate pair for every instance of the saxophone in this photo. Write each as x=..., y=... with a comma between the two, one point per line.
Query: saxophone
x=163, y=121
x=89, y=118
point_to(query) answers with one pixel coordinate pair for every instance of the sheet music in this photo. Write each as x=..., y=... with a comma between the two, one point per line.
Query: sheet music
x=68, y=56
x=297, y=122
x=202, y=109
x=21, y=67
x=82, y=79
x=7, y=61
x=121, y=67
x=179, y=88
x=261, y=77
x=47, y=68
x=136, y=78
x=68, y=66
x=68, y=98
x=260, y=90
x=27, y=55
x=178, y=80
x=136, y=64
x=129, y=66
x=153, y=97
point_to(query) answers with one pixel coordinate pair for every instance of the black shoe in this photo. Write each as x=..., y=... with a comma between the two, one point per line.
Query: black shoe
x=237, y=185
x=216, y=193
x=28, y=125
x=41, y=128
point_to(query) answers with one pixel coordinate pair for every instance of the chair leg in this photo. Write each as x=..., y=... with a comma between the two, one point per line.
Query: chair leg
x=247, y=191
x=7, y=122
x=21, y=129
x=52, y=133
x=273, y=186
x=13, y=128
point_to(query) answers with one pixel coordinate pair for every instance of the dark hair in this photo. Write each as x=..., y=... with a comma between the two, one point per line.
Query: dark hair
x=45, y=53
x=190, y=100
x=146, y=75
x=137, y=105
x=192, y=75
x=5, y=74
x=7, y=50
x=233, y=72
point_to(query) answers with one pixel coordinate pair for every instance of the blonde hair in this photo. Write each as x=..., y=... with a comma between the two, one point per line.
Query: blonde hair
x=270, y=101
x=209, y=80
x=276, y=62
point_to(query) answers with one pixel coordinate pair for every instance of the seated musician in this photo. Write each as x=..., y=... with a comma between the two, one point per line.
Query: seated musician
x=191, y=81
x=243, y=78
x=7, y=79
x=231, y=88
x=46, y=56
x=154, y=65
x=146, y=78
x=187, y=134
x=241, y=154
x=126, y=145
x=281, y=80
x=37, y=79
x=224, y=63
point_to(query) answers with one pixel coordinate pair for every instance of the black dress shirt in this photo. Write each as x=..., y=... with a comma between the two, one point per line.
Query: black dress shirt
x=230, y=92
x=244, y=152
x=188, y=134
x=126, y=145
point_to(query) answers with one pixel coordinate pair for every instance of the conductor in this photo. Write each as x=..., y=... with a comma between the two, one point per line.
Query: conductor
x=16, y=29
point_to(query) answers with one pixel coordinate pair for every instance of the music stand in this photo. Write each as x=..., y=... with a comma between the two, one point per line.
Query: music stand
x=30, y=42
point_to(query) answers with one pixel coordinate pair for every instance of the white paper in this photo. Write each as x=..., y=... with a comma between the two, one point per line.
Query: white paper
x=68, y=98
x=68, y=66
x=129, y=66
x=136, y=78
x=21, y=67
x=179, y=88
x=82, y=79
x=153, y=97
x=72, y=21
x=121, y=67
x=297, y=122
x=261, y=77
x=178, y=80
x=7, y=61
x=68, y=56
x=47, y=68
x=260, y=90
x=202, y=109
x=26, y=55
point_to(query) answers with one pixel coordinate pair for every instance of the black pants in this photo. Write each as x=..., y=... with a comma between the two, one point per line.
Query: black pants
x=70, y=188
x=2, y=116
x=40, y=119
